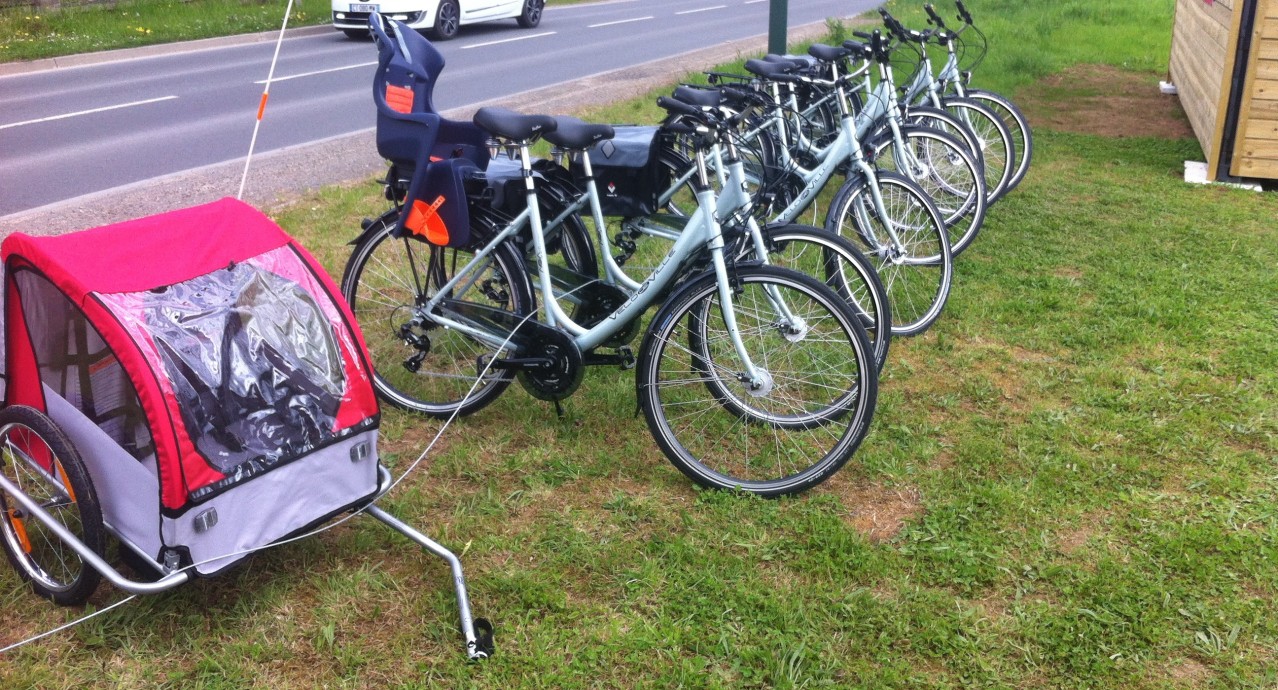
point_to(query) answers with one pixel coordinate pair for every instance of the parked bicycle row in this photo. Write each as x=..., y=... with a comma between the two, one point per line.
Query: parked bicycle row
x=759, y=369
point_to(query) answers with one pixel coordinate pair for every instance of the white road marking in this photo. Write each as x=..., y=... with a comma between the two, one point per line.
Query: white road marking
x=702, y=9
x=508, y=40
x=754, y=2
x=318, y=71
x=620, y=21
x=87, y=112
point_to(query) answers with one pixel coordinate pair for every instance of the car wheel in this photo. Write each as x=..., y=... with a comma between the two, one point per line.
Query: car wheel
x=356, y=34
x=531, y=16
x=447, y=20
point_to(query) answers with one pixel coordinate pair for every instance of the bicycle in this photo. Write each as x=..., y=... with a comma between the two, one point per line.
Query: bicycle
x=955, y=80
x=915, y=266
x=993, y=138
x=807, y=249
x=750, y=377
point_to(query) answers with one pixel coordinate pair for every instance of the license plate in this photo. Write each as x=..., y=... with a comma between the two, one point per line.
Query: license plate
x=363, y=8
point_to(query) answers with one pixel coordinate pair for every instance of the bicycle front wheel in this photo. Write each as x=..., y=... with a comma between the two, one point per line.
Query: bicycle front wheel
x=417, y=364
x=946, y=171
x=906, y=241
x=818, y=392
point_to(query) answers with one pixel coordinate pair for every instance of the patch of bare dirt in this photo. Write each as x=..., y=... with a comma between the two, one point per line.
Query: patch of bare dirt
x=878, y=512
x=1106, y=101
x=1190, y=674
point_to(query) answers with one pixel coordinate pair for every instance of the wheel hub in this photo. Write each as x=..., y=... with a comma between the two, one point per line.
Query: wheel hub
x=760, y=387
x=794, y=330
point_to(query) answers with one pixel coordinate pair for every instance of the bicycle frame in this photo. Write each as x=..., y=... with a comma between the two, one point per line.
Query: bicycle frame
x=701, y=230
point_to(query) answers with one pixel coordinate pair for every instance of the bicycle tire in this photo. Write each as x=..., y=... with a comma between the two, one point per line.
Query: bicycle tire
x=28, y=441
x=841, y=266
x=998, y=150
x=789, y=437
x=385, y=281
x=917, y=275
x=1017, y=125
x=946, y=172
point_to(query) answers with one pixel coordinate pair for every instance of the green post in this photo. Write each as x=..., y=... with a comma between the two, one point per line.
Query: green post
x=777, y=26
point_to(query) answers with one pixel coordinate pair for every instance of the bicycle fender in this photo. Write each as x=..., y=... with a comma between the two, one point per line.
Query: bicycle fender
x=370, y=227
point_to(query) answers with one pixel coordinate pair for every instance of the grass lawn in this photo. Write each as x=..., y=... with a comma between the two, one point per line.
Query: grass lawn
x=1070, y=482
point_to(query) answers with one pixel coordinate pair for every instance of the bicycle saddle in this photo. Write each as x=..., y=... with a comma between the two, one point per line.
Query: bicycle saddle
x=708, y=98
x=573, y=134
x=508, y=124
x=795, y=62
x=769, y=70
x=827, y=53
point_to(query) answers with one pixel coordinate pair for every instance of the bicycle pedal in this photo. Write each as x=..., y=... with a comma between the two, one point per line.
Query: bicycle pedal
x=627, y=356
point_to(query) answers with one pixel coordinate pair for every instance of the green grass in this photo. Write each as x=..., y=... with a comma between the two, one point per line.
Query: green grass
x=29, y=34
x=1070, y=482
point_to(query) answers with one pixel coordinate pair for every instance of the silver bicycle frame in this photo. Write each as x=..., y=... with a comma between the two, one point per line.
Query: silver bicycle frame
x=701, y=230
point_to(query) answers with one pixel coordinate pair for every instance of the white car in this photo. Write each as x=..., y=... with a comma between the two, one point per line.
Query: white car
x=440, y=19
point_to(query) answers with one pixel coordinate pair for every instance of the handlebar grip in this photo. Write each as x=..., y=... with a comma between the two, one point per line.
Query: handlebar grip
x=674, y=105
x=862, y=34
x=740, y=94
x=933, y=17
x=963, y=13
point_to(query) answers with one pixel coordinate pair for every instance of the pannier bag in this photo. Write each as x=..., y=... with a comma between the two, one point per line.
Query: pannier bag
x=627, y=171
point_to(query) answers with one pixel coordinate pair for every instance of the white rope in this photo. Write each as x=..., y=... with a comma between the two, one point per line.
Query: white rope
x=261, y=108
x=72, y=624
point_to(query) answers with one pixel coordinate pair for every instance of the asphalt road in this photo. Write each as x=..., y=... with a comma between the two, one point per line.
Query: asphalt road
x=73, y=131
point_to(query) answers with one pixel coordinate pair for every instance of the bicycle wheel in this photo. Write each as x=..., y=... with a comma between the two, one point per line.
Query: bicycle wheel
x=946, y=172
x=795, y=431
x=842, y=267
x=37, y=457
x=1018, y=127
x=998, y=150
x=418, y=365
x=917, y=272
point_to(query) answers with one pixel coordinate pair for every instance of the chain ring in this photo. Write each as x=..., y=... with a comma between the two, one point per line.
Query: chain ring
x=564, y=375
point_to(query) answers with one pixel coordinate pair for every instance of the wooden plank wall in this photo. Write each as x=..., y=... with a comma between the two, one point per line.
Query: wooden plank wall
x=1202, y=58
x=1256, y=147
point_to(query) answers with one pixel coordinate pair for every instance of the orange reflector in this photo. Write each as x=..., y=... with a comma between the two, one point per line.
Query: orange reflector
x=262, y=108
x=21, y=531
x=399, y=98
x=61, y=473
x=424, y=220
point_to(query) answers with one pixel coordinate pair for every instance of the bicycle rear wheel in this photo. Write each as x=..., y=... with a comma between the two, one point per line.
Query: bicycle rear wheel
x=946, y=172
x=788, y=435
x=418, y=365
x=40, y=460
x=998, y=150
x=1017, y=126
x=918, y=271
x=841, y=266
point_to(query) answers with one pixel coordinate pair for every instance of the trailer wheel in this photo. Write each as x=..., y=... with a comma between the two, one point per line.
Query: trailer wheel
x=38, y=458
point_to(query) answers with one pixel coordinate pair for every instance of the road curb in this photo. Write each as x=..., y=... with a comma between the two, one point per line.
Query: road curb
x=83, y=59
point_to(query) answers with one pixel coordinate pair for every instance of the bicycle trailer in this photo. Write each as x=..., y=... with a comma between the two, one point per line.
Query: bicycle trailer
x=214, y=389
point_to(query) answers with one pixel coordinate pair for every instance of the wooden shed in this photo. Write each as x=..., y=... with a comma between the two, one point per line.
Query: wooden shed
x=1224, y=63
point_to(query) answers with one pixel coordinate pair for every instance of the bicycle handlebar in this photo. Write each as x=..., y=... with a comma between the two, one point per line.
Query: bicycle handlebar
x=963, y=13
